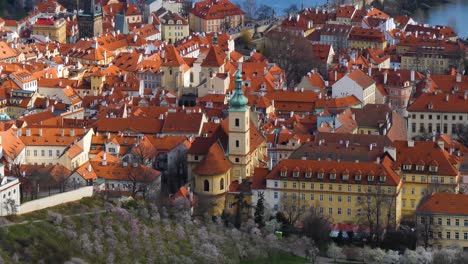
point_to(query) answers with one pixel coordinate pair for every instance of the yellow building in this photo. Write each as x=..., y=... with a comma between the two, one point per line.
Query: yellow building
x=364, y=38
x=344, y=191
x=426, y=167
x=55, y=29
x=436, y=55
x=442, y=221
x=174, y=27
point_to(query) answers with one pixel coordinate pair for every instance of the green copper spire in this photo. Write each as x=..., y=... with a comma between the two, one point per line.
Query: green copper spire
x=238, y=100
x=215, y=39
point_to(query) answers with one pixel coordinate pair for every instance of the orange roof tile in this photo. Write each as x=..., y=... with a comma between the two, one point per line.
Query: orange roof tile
x=445, y=203
x=214, y=163
x=215, y=9
x=339, y=168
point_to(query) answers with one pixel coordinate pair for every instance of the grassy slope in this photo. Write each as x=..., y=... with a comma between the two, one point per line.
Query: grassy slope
x=111, y=236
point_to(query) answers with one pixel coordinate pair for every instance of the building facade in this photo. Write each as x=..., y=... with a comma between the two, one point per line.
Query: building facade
x=442, y=221
x=55, y=29
x=215, y=16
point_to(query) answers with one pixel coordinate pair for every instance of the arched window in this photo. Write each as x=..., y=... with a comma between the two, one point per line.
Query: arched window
x=206, y=186
x=221, y=184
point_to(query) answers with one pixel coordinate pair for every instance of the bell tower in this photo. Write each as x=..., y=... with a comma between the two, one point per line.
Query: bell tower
x=90, y=18
x=239, y=131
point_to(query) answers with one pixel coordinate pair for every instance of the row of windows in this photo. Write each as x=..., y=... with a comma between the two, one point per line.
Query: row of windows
x=433, y=179
x=430, y=116
x=448, y=235
x=430, y=128
x=330, y=211
x=448, y=221
x=176, y=27
x=43, y=153
x=206, y=185
x=321, y=186
x=176, y=34
x=9, y=194
x=311, y=197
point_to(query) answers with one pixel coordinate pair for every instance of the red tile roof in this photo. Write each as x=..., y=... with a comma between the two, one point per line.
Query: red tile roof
x=215, y=9
x=424, y=153
x=361, y=78
x=440, y=102
x=445, y=203
x=214, y=58
x=214, y=163
x=365, y=169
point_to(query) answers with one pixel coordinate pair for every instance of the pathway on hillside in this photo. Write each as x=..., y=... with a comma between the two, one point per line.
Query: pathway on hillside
x=44, y=220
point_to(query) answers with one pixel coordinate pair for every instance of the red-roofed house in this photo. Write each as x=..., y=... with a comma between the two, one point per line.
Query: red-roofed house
x=445, y=217
x=215, y=15
x=174, y=27
x=54, y=29
x=356, y=83
x=334, y=187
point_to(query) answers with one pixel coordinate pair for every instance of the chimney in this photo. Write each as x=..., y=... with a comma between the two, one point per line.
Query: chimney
x=28, y=132
x=62, y=134
x=371, y=146
x=441, y=144
x=447, y=96
x=72, y=132
x=377, y=160
x=89, y=166
x=40, y=132
x=412, y=75
x=385, y=77
x=369, y=71
x=104, y=159
x=458, y=78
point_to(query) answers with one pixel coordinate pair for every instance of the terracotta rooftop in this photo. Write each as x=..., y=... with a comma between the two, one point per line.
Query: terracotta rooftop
x=214, y=163
x=445, y=203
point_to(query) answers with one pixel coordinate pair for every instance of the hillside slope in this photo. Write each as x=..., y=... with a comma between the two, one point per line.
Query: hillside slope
x=85, y=233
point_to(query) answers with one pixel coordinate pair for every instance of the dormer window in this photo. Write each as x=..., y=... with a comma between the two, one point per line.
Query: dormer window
x=333, y=176
x=433, y=168
x=407, y=167
x=283, y=173
x=308, y=174
x=357, y=177
x=383, y=178
x=296, y=174
x=419, y=167
x=320, y=175
x=345, y=177
x=370, y=178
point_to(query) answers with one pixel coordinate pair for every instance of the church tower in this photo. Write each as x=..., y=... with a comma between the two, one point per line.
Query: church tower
x=90, y=18
x=239, y=132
